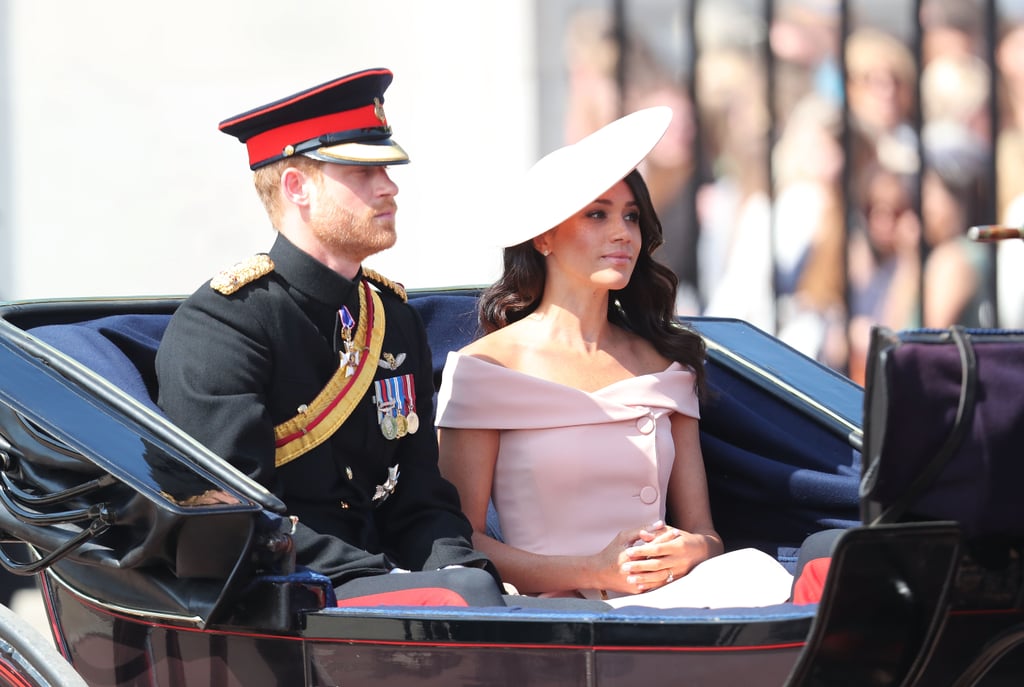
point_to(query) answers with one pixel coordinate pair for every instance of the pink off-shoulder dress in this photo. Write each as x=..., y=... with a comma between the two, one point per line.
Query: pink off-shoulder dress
x=574, y=468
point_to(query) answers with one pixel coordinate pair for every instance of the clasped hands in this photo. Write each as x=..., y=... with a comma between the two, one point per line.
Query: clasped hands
x=650, y=557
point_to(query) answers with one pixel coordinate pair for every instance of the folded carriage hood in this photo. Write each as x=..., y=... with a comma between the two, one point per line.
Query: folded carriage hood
x=80, y=455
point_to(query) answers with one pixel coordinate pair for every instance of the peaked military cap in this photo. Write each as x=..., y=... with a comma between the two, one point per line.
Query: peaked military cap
x=341, y=121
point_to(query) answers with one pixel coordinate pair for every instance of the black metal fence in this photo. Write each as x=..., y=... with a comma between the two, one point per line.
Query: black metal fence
x=826, y=158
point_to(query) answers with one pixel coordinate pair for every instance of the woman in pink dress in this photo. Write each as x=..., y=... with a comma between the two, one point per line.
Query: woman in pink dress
x=577, y=412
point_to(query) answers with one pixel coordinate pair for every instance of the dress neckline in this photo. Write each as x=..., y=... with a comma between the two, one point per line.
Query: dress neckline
x=674, y=366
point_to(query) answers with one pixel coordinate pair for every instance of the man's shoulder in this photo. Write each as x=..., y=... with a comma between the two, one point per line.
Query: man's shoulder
x=233, y=296
x=236, y=287
x=233, y=278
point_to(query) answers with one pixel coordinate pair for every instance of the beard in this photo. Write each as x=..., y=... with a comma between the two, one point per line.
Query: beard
x=358, y=235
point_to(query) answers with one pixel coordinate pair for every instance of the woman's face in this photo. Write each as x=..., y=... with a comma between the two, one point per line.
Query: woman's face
x=599, y=244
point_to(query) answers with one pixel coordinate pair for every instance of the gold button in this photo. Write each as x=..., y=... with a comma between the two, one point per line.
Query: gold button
x=289, y=150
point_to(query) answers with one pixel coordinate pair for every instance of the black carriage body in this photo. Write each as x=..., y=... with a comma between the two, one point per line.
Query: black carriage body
x=430, y=647
x=177, y=590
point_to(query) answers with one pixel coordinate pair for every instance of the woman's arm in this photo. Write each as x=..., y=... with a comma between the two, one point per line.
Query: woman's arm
x=688, y=501
x=467, y=459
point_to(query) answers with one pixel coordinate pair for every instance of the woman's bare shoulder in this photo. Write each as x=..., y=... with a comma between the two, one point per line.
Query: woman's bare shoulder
x=497, y=347
x=641, y=356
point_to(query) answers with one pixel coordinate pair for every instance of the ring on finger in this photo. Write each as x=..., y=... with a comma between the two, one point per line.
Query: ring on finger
x=670, y=577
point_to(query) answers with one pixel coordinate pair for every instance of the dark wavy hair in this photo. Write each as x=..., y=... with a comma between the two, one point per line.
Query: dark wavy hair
x=645, y=306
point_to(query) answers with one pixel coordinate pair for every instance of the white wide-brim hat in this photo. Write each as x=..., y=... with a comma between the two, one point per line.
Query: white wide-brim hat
x=569, y=178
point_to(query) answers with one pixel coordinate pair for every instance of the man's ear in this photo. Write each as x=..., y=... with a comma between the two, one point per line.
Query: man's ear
x=296, y=186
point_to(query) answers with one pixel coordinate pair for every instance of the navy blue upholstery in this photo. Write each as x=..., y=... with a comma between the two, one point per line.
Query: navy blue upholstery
x=451, y=324
x=775, y=476
x=121, y=348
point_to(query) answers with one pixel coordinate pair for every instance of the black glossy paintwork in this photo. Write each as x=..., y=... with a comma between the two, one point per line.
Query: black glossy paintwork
x=833, y=399
x=67, y=412
x=785, y=626
x=336, y=649
x=114, y=649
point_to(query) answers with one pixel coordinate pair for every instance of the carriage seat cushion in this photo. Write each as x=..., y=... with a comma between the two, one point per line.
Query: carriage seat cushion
x=451, y=324
x=120, y=348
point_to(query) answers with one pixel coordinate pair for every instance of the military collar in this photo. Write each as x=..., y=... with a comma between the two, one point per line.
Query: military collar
x=310, y=276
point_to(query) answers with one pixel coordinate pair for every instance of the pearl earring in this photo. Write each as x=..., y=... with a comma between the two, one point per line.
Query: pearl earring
x=545, y=252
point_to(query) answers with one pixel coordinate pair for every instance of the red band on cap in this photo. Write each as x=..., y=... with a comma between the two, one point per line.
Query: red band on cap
x=271, y=143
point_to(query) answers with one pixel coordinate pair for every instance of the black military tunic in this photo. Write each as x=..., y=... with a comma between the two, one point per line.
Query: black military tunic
x=232, y=367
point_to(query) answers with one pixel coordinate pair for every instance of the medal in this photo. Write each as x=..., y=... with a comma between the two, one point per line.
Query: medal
x=349, y=356
x=407, y=385
x=386, y=402
x=391, y=362
x=388, y=427
x=396, y=405
x=383, y=491
x=412, y=418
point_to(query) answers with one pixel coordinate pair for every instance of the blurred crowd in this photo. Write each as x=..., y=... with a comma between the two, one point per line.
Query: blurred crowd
x=825, y=164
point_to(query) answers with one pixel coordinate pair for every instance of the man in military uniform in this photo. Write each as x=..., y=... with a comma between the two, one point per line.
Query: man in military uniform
x=312, y=374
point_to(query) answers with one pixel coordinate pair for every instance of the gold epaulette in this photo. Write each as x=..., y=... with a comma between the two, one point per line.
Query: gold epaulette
x=235, y=277
x=378, y=279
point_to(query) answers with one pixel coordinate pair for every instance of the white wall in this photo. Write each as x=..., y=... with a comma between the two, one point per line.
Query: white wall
x=118, y=181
